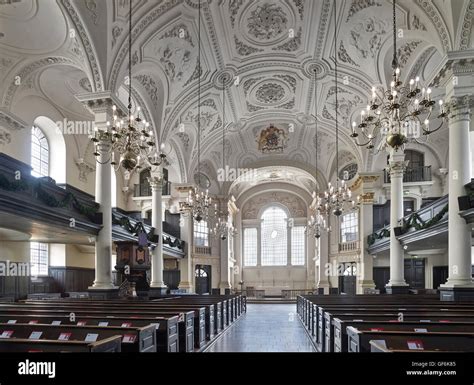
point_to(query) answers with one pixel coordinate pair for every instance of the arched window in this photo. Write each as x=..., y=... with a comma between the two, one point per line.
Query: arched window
x=416, y=159
x=274, y=237
x=39, y=153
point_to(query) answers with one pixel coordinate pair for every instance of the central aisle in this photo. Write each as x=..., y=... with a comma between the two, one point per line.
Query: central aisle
x=265, y=328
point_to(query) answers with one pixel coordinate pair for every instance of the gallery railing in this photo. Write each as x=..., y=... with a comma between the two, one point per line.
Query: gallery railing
x=419, y=220
x=411, y=175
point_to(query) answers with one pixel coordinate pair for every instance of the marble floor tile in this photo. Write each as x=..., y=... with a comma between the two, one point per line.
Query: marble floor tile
x=265, y=328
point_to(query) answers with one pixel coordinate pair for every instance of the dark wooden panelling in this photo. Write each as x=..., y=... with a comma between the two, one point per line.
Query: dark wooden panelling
x=172, y=278
x=171, y=224
x=71, y=278
x=14, y=287
x=415, y=273
x=381, y=278
x=440, y=275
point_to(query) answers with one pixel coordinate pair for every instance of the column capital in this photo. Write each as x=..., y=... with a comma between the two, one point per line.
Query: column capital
x=460, y=108
x=104, y=145
x=156, y=183
x=397, y=168
x=102, y=102
x=367, y=198
x=454, y=64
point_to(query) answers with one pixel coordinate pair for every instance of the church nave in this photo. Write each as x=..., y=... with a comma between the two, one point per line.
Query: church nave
x=265, y=328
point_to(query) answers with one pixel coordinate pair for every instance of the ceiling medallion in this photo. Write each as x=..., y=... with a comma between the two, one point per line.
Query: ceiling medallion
x=270, y=93
x=272, y=140
x=310, y=66
x=267, y=22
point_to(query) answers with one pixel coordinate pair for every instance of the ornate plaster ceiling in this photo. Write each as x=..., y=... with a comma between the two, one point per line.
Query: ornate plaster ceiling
x=266, y=52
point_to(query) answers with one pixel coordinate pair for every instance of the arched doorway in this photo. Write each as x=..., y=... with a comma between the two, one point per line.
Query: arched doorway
x=203, y=280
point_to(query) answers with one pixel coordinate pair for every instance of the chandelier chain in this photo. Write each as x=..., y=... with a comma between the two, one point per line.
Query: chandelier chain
x=336, y=94
x=199, y=94
x=223, y=123
x=395, y=58
x=130, y=60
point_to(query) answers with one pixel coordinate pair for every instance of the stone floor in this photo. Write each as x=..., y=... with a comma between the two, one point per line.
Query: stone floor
x=265, y=328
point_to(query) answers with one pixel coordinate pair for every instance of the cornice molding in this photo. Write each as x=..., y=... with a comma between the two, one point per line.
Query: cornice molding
x=10, y=121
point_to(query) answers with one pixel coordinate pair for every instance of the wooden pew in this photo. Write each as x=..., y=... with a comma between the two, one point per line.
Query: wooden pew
x=359, y=341
x=340, y=339
x=212, y=311
x=325, y=316
x=309, y=305
x=134, y=339
x=185, y=312
x=320, y=325
x=18, y=345
x=325, y=327
x=167, y=334
x=166, y=328
x=317, y=322
x=304, y=302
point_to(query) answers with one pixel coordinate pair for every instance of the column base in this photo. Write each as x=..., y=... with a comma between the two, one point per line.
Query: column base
x=185, y=286
x=157, y=291
x=365, y=286
x=397, y=289
x=225, y=288
x=323, y=288
x=103, y=294
x=456, y=293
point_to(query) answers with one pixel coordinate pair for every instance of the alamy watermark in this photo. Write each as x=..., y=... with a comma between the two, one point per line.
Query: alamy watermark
x=75, y=127
x=14, y=269
x=231, y=174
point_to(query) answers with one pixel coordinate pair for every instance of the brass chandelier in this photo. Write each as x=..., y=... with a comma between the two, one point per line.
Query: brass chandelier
x=132, y=138
x=400, y=114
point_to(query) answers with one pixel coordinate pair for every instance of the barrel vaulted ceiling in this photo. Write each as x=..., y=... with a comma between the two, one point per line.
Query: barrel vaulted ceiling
x=266, y=52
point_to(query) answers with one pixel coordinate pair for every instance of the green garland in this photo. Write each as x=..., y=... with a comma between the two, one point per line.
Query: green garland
x=48, y=199
x=176, y=243
x=417, y=223
x=16, y=185
x=67, y=201
x=413, y=221
x=125, y=223
x=384, y=233
x=470, y=190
